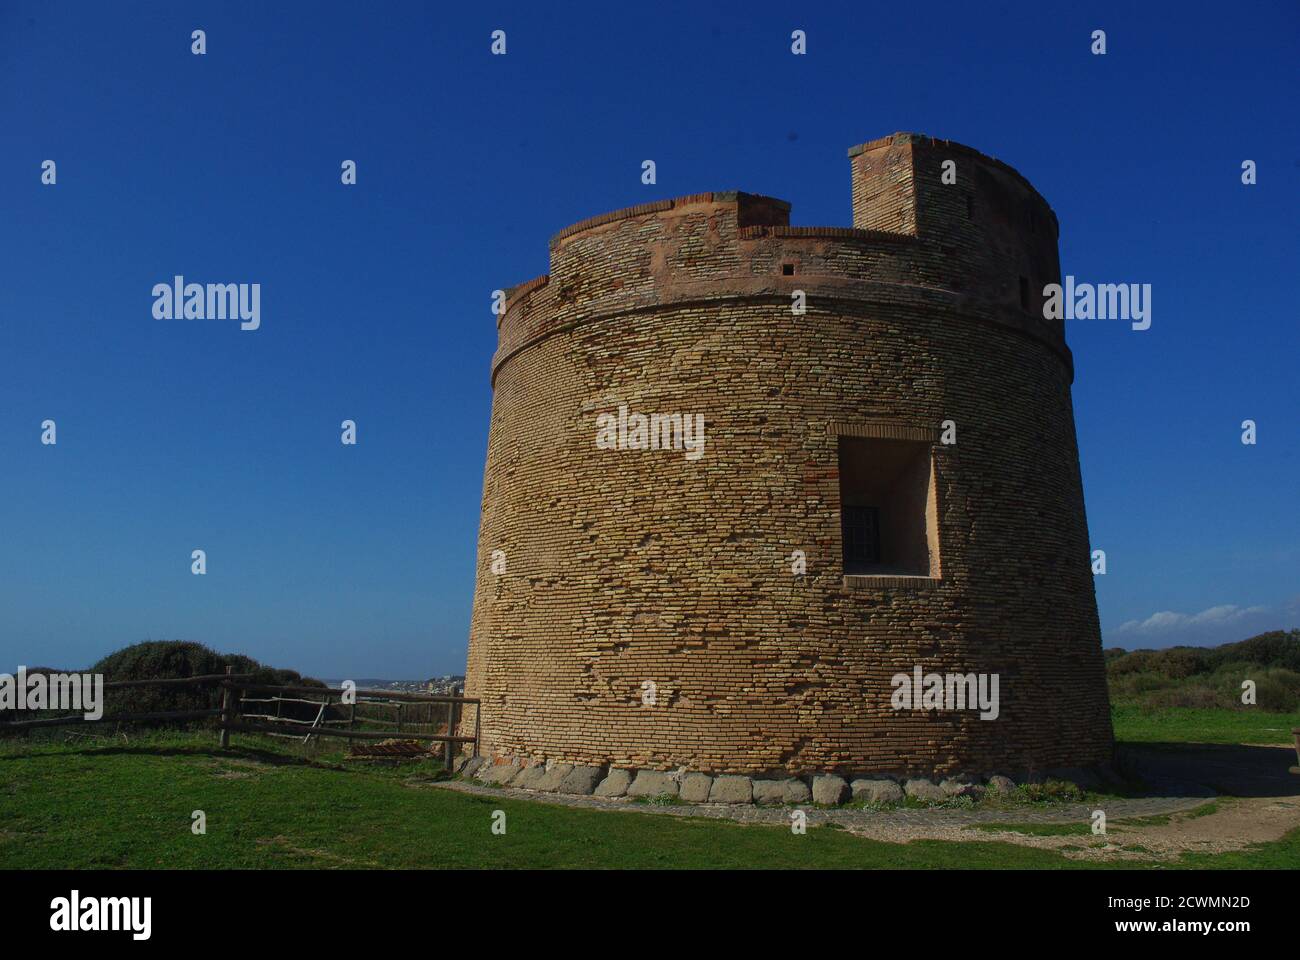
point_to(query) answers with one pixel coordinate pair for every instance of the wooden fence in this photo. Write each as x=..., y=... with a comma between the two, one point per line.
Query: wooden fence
x=234, y=692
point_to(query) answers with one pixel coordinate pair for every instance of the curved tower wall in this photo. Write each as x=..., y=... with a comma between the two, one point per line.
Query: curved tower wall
x=634, y=575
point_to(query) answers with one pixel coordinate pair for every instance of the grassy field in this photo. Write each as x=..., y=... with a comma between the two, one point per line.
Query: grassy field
x=129, y=805
x=1135, y=724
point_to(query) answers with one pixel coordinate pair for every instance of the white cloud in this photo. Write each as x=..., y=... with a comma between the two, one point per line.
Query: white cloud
x=1168, y=620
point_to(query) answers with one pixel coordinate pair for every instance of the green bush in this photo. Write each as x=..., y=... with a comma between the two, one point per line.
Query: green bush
x=1050, y=791
x=1210, y=678
x=1182, y=662
x=1277, y=648
x=1188, y=695
x=157, y=659
x=1138, y=661
x=1274, y=694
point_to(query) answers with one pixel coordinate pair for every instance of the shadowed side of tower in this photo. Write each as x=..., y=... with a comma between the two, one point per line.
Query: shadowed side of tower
x=647, y=608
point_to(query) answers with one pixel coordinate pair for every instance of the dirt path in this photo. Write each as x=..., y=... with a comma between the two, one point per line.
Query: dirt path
x=1258, y=801
x=1234, y=824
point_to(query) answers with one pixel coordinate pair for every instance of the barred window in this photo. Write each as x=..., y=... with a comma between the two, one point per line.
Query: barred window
x=888, y=507
x=861, y=527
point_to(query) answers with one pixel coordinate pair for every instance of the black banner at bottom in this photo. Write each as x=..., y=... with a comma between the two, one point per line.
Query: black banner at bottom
x=330, y=908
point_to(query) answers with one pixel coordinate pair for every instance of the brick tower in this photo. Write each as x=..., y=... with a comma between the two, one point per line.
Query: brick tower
x=643, y=605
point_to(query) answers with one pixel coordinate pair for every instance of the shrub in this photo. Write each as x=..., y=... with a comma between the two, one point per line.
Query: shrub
x=1139, y=661
x=1181, y=662
x=1274, y=694
x=1135, y=685
x=1188, y=695
x=1277, y=648
x=157, y=659
x=1144, y=671
x=1051, y=791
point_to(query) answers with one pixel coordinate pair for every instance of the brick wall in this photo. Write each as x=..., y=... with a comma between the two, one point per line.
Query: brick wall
x=642, y=565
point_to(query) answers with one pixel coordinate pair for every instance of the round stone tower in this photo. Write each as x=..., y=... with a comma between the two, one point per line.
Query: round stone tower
x=778, y=500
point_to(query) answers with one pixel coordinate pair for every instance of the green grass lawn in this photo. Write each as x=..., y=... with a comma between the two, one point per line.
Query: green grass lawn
x=1193, y=725
x=119, y=805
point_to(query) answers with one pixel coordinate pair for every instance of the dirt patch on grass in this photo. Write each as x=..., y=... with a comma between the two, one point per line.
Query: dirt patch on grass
x=324, y=857
x=1231, y=824
x=1258, y=802
x=239, y=768
x=1235, y=823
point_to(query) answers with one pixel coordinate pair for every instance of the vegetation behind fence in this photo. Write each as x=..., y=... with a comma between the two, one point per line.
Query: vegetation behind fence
x=303, y=710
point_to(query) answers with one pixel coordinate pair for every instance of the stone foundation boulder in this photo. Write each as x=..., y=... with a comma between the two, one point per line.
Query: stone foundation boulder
x=471, y=766
x=614, y=785
x=551, y=781
x=877, y=791
x=529, y=777
x=960, y=788
x=1001, y=785
x=499, y=775
x=695, y=787
x=829, y=791
x=580, y=780
x=732, y=790
x=795, y=791
x=652, y=783
x=919, y=788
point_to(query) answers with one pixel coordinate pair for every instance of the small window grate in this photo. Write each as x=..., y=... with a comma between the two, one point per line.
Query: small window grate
x=861, y=528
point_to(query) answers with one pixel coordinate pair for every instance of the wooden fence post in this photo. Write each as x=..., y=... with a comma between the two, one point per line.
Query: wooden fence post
x=227, y=699
x=448, y=746
x=320, y=715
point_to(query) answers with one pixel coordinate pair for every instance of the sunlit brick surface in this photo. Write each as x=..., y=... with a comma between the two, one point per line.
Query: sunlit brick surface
x=626, y=566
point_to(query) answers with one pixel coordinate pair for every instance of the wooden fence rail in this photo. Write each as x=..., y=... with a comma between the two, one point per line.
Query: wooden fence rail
x=234, y=687
x=377, y=694
x=77, y=719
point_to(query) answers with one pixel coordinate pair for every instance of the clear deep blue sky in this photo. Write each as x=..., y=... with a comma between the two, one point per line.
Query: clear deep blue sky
x=359, y=561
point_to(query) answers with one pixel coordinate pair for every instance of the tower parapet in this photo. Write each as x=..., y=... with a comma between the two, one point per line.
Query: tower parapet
x=996, y=235
x=988, y=240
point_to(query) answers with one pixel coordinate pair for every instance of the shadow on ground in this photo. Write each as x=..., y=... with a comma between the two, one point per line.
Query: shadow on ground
x=269, y=757
x=1196, y=769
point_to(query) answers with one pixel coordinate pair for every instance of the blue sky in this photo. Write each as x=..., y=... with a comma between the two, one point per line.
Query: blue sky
x=359, y=561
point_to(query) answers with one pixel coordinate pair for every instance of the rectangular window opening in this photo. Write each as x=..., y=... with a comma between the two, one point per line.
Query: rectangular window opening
x=787, y=269
x=888, y=508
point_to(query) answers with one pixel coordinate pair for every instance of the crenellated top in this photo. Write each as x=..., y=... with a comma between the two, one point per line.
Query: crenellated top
x=751, y=210
x=972, y=236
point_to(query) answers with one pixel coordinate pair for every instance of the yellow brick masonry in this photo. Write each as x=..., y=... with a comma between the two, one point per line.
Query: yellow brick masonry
x=628, y=566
